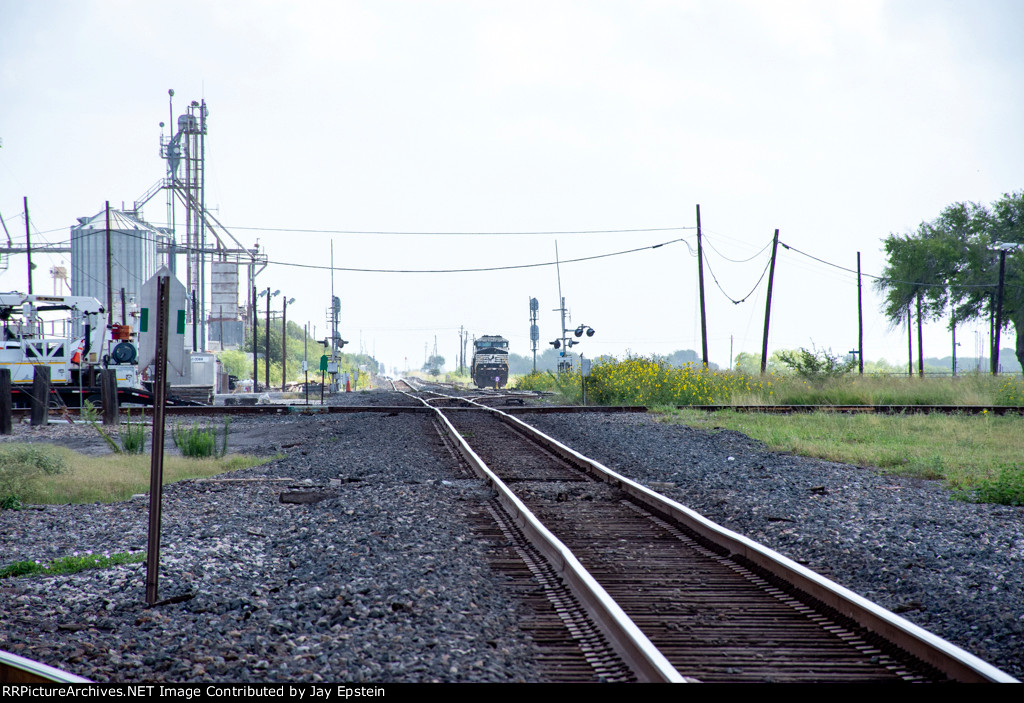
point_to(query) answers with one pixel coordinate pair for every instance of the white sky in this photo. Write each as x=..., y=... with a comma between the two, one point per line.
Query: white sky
x=836, y=122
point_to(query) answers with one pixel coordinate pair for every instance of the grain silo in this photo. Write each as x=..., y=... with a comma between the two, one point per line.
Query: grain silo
x=133, y=257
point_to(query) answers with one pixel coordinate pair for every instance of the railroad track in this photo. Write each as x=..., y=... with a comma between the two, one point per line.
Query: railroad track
x=19, y=670
x=676, y=596
x=626, y=626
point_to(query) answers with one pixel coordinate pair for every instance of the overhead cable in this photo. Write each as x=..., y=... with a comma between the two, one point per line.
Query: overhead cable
x=736, y=261
x=477, y=270
x=922, y=284
x=731, y=299
x=462, y=234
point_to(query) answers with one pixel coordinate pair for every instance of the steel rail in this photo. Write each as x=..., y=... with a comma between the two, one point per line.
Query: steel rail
x=647, y=662
x=875, y=409
x=953, y=661
x=19, y=670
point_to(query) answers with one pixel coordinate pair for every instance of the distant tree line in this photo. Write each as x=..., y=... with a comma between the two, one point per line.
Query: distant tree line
x=949, y=268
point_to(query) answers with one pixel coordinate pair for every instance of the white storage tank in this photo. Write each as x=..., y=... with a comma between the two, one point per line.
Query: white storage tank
x=133, y=257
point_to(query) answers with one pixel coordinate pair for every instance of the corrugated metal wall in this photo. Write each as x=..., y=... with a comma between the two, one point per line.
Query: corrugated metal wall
x=133, y=260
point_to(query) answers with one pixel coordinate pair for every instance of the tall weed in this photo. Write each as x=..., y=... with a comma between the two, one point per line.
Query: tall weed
x=133, y=437
x=200, y=442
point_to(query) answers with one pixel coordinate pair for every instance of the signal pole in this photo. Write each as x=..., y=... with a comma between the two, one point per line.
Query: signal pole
x=534, y=330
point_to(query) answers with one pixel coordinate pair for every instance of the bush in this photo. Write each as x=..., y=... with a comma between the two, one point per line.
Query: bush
x=21, y=465
x=650, y=382
x=536, y=381
x=1007, y=488
x=1010, y=392
x=816, y=365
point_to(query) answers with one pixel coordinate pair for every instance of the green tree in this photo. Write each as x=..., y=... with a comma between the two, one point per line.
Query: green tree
x=434, y=365
x=750, y=364
x=949, y=267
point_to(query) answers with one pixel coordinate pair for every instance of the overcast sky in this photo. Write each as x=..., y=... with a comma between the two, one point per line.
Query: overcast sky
x=836, y=122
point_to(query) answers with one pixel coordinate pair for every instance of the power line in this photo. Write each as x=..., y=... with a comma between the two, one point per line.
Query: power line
x=733, y=301
x=476, y=270
x=461, y=234
x=182, y=249
x=895, y=280
x=737, y=261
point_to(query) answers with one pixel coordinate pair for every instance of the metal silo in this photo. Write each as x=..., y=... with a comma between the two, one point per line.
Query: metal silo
x=133, y=257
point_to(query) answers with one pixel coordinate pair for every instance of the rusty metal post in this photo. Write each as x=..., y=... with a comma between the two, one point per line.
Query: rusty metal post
x=40, y=399
x=6, y=402
x=156, y=465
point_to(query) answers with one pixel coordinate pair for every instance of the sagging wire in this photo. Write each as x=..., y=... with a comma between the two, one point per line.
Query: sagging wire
x=482, y=269
x=736, y=261
x=744, y=298
x=921, y=284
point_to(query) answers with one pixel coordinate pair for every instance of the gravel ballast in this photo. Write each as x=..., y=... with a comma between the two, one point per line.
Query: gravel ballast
x=382, y=580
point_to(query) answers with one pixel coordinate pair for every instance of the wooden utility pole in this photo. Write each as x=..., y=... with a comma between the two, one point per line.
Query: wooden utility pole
x=40, y=400
x=952, y=327
x=156, y=462
x=700, y=279
x=6, y=402
x=108, y=392
x=284, y=343
x=110, y=282
x=860, y=320
x=920, y=339
x=767, y=307
x=910, y=341
x=992, y=334
x=28, y=245
x=999, y=311
x=266, y=364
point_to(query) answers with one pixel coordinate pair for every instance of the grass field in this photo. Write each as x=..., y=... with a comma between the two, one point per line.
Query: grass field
x=43, y=474
x=981, y=457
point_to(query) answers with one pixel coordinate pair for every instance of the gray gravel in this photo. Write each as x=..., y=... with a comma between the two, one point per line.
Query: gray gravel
x=954, y=568
x=384, y=582
x=381, y=582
